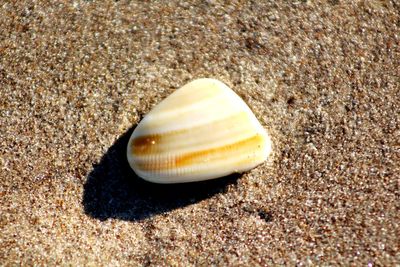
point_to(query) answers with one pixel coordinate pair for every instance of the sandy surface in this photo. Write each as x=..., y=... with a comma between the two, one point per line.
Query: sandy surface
x=322, y=76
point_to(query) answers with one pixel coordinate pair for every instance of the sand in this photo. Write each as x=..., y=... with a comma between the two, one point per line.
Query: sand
x=323, y=77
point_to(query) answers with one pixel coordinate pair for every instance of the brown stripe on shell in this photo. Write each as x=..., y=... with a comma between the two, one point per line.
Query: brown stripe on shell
x=199, y=156
x=145, y=144
x=148, y=144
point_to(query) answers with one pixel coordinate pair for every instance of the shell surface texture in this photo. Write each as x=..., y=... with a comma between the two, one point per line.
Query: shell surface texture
x=202, y=131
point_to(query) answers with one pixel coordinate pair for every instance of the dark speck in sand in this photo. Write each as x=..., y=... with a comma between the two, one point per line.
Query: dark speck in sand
x=265, y=215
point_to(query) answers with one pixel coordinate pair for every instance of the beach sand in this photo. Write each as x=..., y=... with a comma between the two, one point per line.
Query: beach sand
x=323, y=77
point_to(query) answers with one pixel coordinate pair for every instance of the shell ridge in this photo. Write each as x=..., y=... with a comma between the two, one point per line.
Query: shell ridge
x=145, y=144
x=191, y=157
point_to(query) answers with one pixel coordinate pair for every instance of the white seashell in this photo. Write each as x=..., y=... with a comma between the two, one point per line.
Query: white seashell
x=201, y=131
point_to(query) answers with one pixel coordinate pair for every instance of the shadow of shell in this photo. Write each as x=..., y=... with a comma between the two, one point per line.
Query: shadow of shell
x=113, y=190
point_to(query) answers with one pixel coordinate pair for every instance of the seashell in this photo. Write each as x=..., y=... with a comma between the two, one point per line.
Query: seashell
x=202, y=131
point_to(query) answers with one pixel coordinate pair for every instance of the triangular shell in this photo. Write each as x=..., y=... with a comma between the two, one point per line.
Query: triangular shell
x=202, y=131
